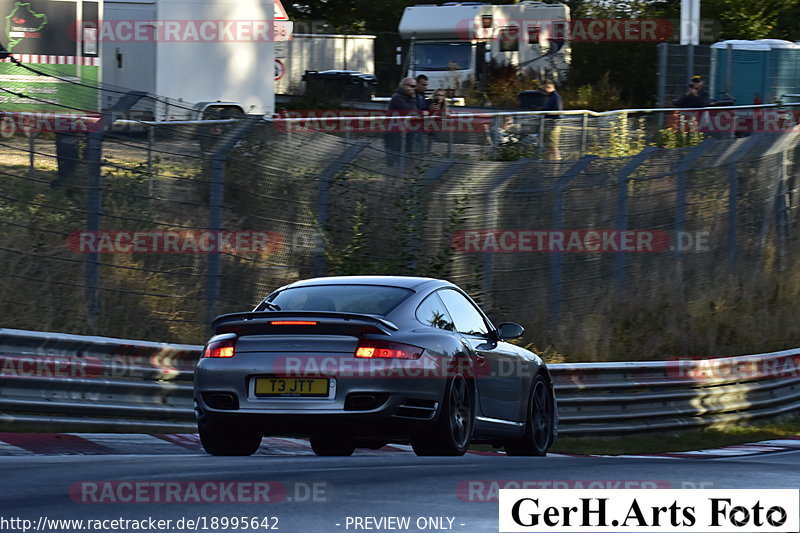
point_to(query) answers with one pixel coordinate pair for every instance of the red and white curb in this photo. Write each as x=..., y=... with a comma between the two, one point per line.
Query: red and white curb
x=13, y=444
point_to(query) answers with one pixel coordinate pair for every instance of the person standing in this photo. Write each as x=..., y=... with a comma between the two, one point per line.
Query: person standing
x=695, y=95
x=421, y=89
x=552, y=134
x=404, y=98
x=402, y=103
x=436, y=119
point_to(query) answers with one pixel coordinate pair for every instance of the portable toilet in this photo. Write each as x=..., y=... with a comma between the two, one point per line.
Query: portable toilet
x=742, y=70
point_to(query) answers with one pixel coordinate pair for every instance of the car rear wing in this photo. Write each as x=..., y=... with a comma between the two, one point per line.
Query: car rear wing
x=301, y=322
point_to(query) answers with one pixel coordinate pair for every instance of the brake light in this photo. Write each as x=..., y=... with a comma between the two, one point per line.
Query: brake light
x=222, y=348
x=377, y=349
x=293, y=323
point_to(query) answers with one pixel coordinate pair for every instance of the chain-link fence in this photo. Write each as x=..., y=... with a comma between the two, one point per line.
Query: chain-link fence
x=133, y=246
x=601, y=232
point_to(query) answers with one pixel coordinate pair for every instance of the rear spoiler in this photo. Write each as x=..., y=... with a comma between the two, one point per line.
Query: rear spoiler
x=327, y=323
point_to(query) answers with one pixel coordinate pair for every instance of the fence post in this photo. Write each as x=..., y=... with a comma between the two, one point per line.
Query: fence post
x=216, y=197
x=738, y=150
x=31, y=153
x=782, y=213
x=680, y=203
x=584, y=132
x=779, y=146
x=150, y=141
x=323, y=203
x=94, y=200
x=496, y=135
x=541, y=137
x=450, y=135
x=403, y=148
x=556, y=259
x=622, y=209
x=663, y=51
x=491, y=217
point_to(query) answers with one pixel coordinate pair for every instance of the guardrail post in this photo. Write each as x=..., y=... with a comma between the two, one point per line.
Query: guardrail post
x=323, y=198
x=215, y=203
x=94, y=200
x=491, y=217
x=556, y=259
x=622, y=210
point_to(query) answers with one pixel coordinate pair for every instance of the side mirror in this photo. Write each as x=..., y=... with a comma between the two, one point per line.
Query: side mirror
x=509, y=330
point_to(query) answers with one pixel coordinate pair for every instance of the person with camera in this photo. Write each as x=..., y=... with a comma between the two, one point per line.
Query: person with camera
x=436, y=112
x=695, y=95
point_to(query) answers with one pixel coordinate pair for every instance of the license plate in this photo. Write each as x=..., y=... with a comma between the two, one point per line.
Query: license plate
x=292, y=387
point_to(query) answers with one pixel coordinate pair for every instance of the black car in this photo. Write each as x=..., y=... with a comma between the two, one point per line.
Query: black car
x=365, y=360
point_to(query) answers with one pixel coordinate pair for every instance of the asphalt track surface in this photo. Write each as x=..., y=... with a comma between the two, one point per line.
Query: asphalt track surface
x=317, y=495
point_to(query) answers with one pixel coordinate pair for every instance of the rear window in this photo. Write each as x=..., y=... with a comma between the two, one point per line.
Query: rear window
x=365, y=299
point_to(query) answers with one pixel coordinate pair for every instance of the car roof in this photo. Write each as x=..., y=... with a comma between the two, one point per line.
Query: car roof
x=407, y=282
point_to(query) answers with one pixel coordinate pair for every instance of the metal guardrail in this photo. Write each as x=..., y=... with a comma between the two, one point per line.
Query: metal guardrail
x=58, y=382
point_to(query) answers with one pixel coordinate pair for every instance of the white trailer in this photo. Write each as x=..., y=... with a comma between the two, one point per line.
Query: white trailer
x=201, y=54
x=320, y=52
x=454, y=43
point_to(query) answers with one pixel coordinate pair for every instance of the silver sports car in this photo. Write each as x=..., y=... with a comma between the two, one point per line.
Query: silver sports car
x=362, y=361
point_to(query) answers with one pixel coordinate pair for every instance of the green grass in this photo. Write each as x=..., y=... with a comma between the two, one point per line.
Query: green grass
x=680, y=442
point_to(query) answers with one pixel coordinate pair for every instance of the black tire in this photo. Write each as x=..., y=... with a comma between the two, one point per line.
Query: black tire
x=221, y=438
x=331, y=447
x=538, y=436
x=452, y=432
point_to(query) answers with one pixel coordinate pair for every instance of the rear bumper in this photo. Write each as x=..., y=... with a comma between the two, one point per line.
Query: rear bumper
x=377, y=405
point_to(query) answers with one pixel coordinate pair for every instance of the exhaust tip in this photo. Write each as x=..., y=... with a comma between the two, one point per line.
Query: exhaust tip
x=225, y=401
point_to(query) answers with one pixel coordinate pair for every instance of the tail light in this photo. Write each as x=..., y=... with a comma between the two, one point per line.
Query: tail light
x=222, y=348
x=378, y=349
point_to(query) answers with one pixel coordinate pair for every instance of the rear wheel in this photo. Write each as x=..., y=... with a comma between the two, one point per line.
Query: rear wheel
x=331, y=447
x=453, y=430
x=223, y=438
x=538, y=436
